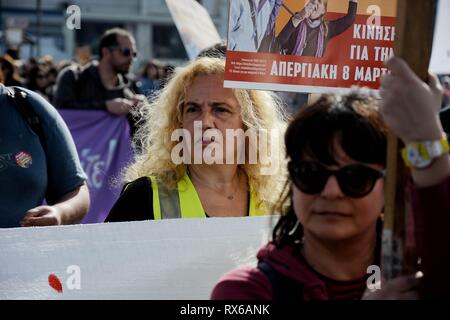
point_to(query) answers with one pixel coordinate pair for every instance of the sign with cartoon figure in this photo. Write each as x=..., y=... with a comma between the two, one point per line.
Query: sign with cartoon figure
x=309, y=45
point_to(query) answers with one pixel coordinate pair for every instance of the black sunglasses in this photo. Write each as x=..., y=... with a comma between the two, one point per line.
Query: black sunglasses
x=355, y=181
x=126, y=52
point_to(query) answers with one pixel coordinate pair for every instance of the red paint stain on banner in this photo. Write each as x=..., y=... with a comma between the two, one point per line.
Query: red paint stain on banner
x=55, y=283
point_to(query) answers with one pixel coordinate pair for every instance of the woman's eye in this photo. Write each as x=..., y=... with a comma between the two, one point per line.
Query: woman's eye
x=222, y=109
x=191, y=108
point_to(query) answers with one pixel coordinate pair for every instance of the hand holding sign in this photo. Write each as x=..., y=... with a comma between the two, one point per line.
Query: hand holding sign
x=410, y=106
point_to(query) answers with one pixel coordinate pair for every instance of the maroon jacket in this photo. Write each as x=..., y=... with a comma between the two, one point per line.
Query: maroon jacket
x=431, y=208
x=247, y=283
x=432, y=222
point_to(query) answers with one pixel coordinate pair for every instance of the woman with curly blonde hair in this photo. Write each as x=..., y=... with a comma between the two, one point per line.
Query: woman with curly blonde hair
x=194, y=112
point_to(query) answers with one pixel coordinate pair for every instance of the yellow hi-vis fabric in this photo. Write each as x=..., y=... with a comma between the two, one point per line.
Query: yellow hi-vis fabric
x=184, y=202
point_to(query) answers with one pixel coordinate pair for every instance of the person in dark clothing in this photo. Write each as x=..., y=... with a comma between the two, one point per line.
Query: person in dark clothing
x=446, y=100
x=444, y=115
x=101, y=85
x=445, y=119
x=307, y=32
x=38, y=161
x=149, y=81
x=37, y=80
x=445, y=111
x=326, y=241
x=10, y=72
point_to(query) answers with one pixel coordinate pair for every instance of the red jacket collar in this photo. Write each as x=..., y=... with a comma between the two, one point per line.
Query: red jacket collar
x=287, y=262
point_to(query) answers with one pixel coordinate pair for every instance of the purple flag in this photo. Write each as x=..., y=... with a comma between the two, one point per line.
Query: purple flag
x=104, y=147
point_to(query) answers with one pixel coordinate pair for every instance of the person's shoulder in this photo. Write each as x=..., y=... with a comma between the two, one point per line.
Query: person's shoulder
x=445, y=119
x=134, y=203
x=243, y=283
x=138, y=185
x=5, y=98
x=41, y=106
x=3, y=89
x=136, y=191
x=90, y=67
x=75, y=70
x=71, y=70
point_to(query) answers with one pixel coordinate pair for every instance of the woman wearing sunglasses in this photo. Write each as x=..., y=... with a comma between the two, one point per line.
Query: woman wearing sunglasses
x=331, y=233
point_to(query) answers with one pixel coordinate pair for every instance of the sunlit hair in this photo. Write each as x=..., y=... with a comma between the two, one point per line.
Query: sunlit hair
x=159, y=119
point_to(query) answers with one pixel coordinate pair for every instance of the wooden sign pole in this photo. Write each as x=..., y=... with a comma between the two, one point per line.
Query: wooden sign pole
x=415, y=26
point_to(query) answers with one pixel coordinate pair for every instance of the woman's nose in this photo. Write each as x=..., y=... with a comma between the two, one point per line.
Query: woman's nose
x=332, y=189
x=207, y=119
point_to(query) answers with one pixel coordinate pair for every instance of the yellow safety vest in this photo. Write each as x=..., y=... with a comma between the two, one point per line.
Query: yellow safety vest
x=184, y=202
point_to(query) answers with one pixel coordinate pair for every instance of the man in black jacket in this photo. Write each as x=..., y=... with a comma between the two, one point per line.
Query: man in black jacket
x=101, y=85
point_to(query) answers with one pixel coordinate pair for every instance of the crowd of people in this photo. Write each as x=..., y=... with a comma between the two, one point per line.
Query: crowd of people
x=329, y=193
x=39, y=74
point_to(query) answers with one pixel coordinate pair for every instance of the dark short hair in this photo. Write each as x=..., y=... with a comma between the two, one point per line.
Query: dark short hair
x=354, y=120
x=109, y=39
x=218, y=50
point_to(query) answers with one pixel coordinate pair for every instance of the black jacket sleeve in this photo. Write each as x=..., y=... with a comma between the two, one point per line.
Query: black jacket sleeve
x=65, y=95
x=135, y=202
x=286, y=33
x=336, y=27
x=445, y=119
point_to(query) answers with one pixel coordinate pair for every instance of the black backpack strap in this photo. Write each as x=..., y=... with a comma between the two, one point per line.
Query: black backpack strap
x=23, y=105
x=284, y=289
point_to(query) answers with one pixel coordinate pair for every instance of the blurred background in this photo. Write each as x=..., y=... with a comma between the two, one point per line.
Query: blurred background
x=38, y=27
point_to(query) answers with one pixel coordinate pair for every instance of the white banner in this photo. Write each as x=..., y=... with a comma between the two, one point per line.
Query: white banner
x=167, y=259
x=194, y=24
x=440, y=58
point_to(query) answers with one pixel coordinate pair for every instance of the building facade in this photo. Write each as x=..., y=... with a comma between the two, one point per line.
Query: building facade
x=149, y=20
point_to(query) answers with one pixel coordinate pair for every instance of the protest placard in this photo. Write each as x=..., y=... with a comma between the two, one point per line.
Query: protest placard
x=287, y=46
